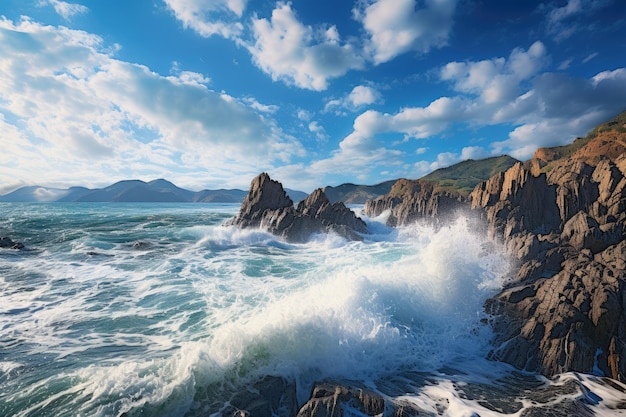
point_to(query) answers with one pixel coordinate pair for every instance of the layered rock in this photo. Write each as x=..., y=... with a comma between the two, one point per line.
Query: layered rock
x=410, y=200
x=268, y=207
x=566, y=307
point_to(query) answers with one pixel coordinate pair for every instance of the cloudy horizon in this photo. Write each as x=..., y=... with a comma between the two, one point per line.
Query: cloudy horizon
x=207, y=94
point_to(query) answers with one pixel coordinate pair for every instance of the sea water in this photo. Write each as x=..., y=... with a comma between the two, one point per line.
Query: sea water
x=159, y=309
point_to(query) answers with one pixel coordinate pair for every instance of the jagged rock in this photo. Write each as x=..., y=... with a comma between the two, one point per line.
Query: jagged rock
x=409, y=201
x=267, y=206
x=334, y=399
x=566, y=308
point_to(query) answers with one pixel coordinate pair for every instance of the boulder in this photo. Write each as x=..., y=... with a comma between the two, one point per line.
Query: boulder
x=268, y=207
x=338, y=399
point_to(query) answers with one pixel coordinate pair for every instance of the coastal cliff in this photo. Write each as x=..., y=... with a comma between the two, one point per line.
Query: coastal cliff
x=565, y=309
x=268, y=207
x=562, y=217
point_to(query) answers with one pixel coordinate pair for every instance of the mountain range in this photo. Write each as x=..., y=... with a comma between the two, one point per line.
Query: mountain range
x=131, y=191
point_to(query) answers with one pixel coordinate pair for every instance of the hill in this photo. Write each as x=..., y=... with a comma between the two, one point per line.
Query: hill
x=606, y=141
x=464, y=176
x=357, y=194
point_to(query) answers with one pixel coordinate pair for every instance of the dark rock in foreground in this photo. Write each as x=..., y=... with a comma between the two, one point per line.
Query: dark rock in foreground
x=267, y=206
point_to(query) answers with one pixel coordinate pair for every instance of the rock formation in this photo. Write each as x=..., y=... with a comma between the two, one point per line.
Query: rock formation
x=562, y=215
x=566, y=307
x=409, y=201
x=267, y=206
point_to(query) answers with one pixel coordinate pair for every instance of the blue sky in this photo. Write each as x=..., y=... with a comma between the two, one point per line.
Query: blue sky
x=209, y=93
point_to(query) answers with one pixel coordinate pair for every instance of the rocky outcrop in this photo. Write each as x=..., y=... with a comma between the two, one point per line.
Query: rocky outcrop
x=268, y=207
x=336, y=399
x=410, y=200
x=565, y=309
x=7, y=242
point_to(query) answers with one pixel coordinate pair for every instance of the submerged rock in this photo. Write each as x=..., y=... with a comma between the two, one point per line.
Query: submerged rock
x=267, y=206
x=7, y=242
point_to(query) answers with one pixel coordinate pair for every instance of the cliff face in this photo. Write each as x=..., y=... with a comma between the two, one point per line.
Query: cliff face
x=566, y=308
x=268, y=207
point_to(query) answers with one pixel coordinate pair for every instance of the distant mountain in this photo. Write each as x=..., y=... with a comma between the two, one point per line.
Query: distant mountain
x=357, y=194
x=131, y=191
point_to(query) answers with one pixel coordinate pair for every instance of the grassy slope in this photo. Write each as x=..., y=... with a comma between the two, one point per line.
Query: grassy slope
x=464, y=176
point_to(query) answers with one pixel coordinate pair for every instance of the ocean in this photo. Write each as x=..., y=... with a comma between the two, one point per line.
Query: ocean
x=128, y=309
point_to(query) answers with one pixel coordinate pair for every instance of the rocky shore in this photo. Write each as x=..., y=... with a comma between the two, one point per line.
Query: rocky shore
x=561, y=216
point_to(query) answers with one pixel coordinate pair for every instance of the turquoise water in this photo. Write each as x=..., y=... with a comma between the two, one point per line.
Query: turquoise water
x=158, y=309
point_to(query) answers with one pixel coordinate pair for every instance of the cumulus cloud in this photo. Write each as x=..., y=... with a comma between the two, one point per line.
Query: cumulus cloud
x=298, y=54
x=210, y=17
x=498, y=79
x=66, y=102
x=542, y=109
x=398, y=26
x=360, y=96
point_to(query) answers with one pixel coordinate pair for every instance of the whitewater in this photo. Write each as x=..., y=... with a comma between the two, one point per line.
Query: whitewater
x=160, y=310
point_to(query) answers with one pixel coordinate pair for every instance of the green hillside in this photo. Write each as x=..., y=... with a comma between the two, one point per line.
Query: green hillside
x=464, y=176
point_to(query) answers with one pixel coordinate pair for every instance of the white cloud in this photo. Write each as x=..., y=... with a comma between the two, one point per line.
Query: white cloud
x=65, y=9
x=498, y=79
x=360, y=96
x=70, y=110
x=543, y=109
x=590, y=57
x=398, y=26
x=297, y=54
x=210, y=17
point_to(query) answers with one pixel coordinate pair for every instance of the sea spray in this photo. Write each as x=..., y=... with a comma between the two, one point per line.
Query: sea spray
x=157, y=309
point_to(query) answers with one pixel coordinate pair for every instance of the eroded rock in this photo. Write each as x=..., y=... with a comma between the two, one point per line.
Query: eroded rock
x=267, y=206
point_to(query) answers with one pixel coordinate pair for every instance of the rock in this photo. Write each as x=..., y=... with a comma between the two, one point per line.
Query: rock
x=332, y=400
x=271, y=396
x=267, y=206
x=6, y=242
x=409, y=201
x=566, y=307
x=336, y=399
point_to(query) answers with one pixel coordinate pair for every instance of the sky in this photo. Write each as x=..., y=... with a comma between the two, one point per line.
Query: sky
x=209, y=93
